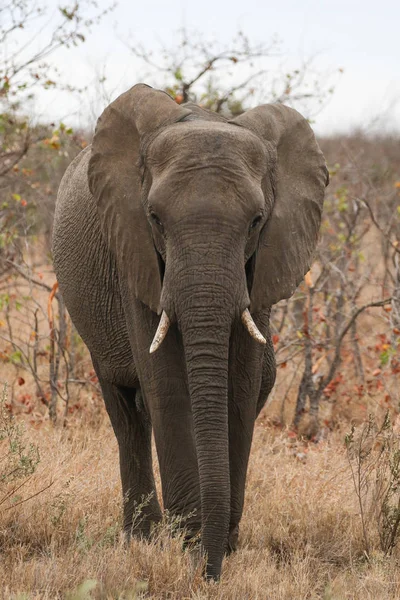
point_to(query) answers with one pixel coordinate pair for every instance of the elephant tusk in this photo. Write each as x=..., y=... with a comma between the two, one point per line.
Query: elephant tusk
x=252, y=328
x=161, y=332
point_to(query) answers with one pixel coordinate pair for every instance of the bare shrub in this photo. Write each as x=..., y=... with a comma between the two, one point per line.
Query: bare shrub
x=18, y=459
x=373, y=452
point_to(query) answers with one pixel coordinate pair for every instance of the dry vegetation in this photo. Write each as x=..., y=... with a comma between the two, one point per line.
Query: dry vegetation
x=301, y=535
x=317, y=512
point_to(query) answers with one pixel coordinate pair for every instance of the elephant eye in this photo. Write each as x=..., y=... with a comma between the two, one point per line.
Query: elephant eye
x=155, y=219
x=255, y=222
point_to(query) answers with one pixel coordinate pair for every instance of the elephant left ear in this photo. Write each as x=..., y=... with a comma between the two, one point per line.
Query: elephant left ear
x=288, y=239
x=114, y=177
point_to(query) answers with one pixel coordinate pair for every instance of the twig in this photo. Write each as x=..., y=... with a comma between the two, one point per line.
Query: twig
x=336, y=360
x=375, y=222
x=30, y=497
x=28, y=277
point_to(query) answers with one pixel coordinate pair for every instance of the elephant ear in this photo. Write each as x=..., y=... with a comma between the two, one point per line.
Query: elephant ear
x=115, y=183
x=288, y=239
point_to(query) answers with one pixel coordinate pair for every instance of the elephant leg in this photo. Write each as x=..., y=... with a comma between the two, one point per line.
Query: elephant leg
x=178, y=462
x=241, y=426
x=172, y=422
x=246, y=380
x=132, y=428
x=164, y=386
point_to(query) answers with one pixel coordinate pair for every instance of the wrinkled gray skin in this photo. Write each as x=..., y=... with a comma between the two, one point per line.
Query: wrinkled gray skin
x=175, y=208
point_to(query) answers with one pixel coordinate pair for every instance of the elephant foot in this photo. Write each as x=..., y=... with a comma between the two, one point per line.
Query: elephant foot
x=232, y=540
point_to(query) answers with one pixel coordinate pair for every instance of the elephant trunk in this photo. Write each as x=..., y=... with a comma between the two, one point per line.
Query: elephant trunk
x=205, y=311
x=206, y=344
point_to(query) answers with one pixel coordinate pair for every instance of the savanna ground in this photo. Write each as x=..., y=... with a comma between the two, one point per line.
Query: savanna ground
x=301, y=535
x=322, y=515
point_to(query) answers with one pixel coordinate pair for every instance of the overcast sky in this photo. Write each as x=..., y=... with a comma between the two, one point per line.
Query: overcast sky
x=362, y=37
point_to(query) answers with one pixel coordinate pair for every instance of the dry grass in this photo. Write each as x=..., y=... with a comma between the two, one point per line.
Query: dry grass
x=300, y=536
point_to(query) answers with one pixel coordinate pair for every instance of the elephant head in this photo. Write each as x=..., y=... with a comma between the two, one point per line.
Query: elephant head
x=209, y=220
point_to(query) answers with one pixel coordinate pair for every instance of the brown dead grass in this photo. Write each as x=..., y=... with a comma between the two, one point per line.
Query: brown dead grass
x=300, y=536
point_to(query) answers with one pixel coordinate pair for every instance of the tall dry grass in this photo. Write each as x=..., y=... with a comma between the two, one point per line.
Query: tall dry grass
x=301, y=535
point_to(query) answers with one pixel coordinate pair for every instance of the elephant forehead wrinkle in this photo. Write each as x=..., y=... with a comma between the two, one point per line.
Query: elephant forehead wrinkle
x=227, y=160
x=206, y=194
x=208, y=141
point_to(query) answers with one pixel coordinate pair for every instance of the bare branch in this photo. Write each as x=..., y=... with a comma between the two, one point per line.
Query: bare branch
x=336, y=359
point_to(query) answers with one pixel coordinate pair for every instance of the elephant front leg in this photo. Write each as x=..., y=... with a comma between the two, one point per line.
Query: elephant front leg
x=241, y=425
x=133, y=432
x=178, y=463
x=163, y=380
x=245, y=382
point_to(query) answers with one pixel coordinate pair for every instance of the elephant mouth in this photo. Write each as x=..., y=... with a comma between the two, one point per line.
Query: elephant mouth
x=246, y=317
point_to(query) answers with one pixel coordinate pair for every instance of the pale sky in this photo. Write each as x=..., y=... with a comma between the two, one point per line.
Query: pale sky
x=362, y=37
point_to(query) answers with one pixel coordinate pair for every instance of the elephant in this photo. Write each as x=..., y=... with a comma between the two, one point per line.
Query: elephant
x=175, y=232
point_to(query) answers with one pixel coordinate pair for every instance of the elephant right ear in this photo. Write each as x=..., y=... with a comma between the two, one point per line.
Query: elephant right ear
x=288, y=240
x=115, y=183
